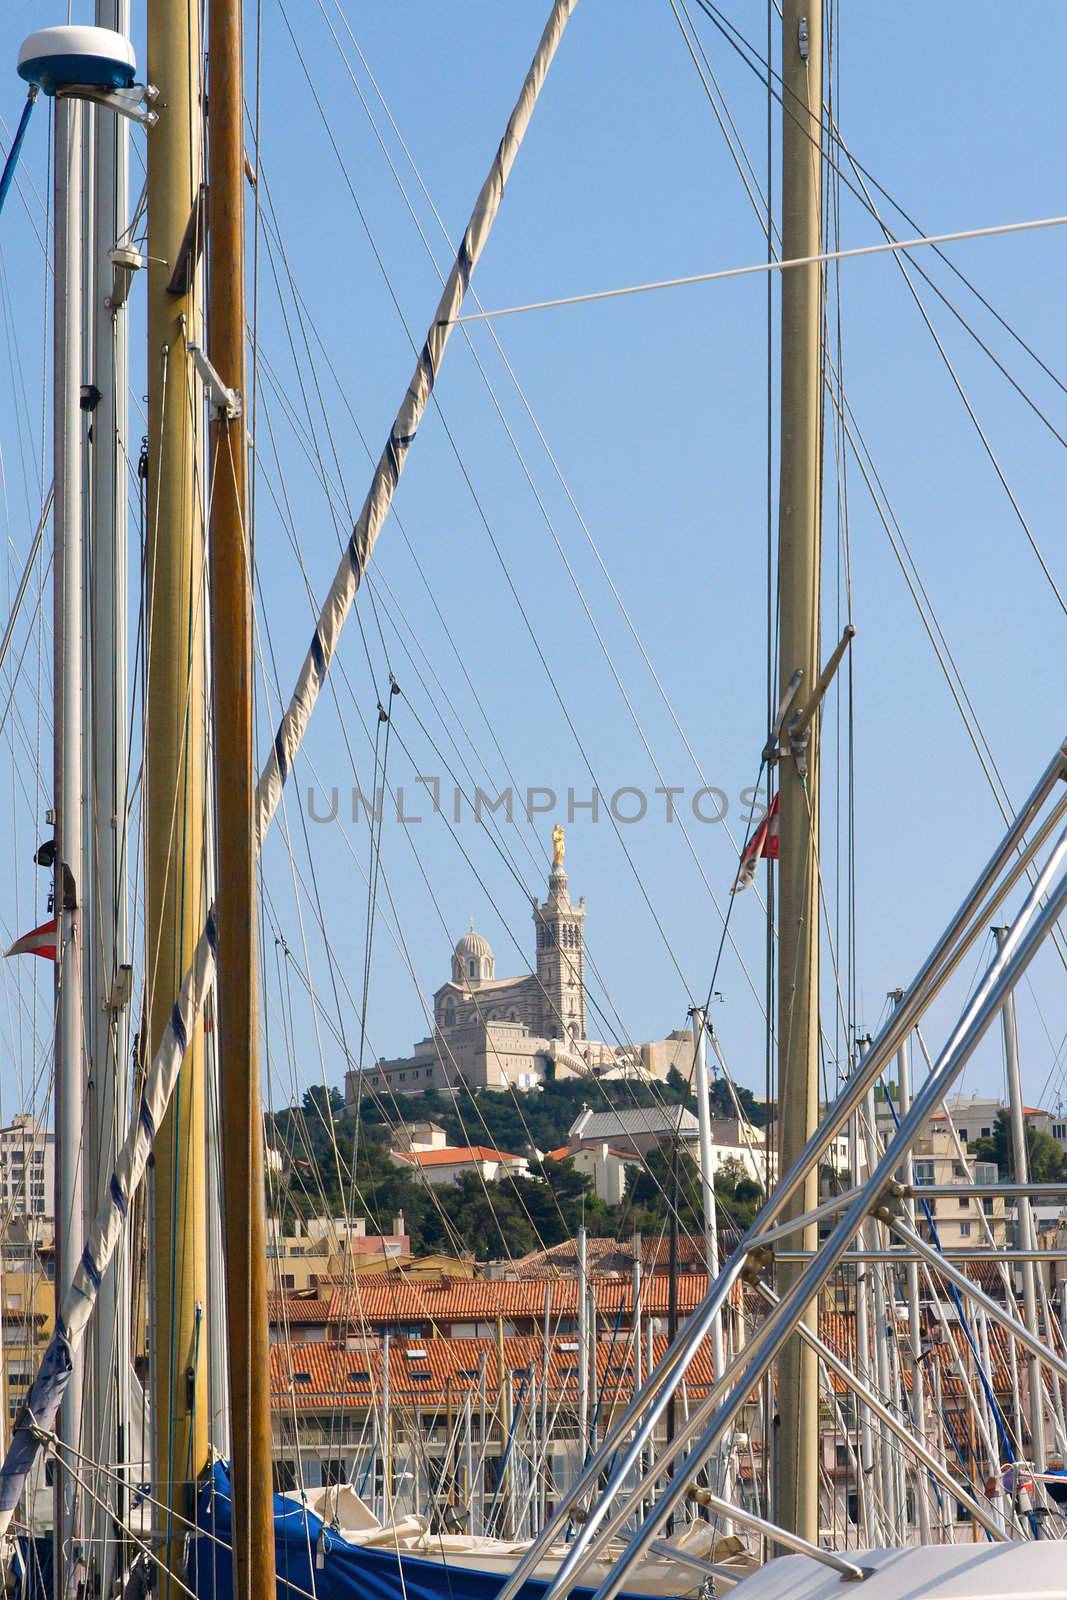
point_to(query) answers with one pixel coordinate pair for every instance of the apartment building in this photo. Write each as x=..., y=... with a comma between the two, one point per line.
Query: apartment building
x=303, y=1254
x=960, y=1221
x=27, y=1169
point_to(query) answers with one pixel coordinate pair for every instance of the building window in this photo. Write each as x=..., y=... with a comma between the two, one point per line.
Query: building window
x=1059, y=1130
x=924, y=1172
x=962, y=1133
x=965, y=1230
x=987, y=1133
x=472, y=969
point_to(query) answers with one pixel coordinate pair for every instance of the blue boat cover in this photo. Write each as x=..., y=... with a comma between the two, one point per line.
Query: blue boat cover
x=313, y=1561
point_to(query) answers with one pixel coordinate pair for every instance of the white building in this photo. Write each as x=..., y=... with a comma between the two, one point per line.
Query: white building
x=27, y=1169
x=452, y=1163
x=958, y=1220
x=974, y=1116
x=636, y=1130
x=604, y=1167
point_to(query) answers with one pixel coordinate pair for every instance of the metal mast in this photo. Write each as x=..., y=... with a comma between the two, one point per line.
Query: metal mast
x=108, y=954
x=1027, y=1233
x=69, y=789
x=241, y=1113
x=799, y=549
x=174, y=756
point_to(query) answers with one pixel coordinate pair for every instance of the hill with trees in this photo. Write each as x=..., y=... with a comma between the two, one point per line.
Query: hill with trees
x=335, y=1162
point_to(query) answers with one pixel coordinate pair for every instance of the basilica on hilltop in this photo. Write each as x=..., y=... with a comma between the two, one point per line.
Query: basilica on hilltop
x=497, y=1033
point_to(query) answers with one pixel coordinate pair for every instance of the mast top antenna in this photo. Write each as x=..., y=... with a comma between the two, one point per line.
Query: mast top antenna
x=96, y=58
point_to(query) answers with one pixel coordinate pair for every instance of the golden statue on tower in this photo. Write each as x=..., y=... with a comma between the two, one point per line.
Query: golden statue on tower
x=558, y=846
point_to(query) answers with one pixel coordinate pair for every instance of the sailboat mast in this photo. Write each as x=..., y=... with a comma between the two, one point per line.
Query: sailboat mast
x=241, y=1112
x=799, y=551
x=69, y=790
x=175, y=901
x=108, y=1013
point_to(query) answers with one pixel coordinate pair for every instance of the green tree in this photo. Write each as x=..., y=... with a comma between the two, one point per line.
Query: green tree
x=652, y=1188
x=738, y=1193
x=1044, y=1157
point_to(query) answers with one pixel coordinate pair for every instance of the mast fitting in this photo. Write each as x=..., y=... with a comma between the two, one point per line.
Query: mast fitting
x=224, y=403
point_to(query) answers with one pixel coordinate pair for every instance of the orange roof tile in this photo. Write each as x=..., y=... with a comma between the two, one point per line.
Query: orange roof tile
x=460, y=1156
x=430, y=1372
x=451, y=1300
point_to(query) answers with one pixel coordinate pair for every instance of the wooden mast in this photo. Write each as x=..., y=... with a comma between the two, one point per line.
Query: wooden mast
x=241, y=1115
x=799, y=552
x=175, y=898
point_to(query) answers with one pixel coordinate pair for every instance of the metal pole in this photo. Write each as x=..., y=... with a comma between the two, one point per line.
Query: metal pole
x=109, y=955
x=388, y=1511
x=240, y=1091
x=1027, y=1232
x=863, y=1359
x=672, y=1292
x=583, y=1348
x=1027, y=934
x=918, y=1373
x=707, y=1179
x=69, y=793
x=912, y=1441
x=886, y=1478
x=1013, y=853
x=541, y=1504
x=175, y=890
x=1032, y=1342
x=799, y=557
x=504, y=1412
x=789, y=1541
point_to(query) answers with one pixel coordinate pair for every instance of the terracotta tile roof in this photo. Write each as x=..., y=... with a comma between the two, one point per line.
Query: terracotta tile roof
x=560, y=1153
x=431, y=1372
x=608, y=1254
x=283, y=1309
x=460, y=1156
x=451, y=1300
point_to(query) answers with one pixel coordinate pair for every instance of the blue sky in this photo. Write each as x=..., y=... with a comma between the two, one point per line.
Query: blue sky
x=655, y=409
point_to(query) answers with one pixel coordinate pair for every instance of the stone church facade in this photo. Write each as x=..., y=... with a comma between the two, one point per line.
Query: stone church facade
x=500, y=1032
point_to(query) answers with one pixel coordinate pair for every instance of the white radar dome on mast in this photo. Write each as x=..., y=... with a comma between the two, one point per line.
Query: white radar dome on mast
x=96, y=58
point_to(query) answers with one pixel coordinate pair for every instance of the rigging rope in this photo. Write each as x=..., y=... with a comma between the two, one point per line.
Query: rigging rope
x=8, y=175
x=54, y=1373
x=888, y=246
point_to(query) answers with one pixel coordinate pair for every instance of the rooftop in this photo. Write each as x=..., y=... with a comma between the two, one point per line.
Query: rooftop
x=454, y=1156
x=633, y=1121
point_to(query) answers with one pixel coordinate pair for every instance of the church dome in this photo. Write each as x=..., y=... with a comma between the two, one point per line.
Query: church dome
x=472, y=944
x=472, y=959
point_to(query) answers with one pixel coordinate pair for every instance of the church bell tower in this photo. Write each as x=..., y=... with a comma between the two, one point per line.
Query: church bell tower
x=558, y=928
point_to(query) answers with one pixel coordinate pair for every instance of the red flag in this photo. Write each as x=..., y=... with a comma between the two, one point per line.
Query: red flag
x=764, y=842
x=40, y=942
